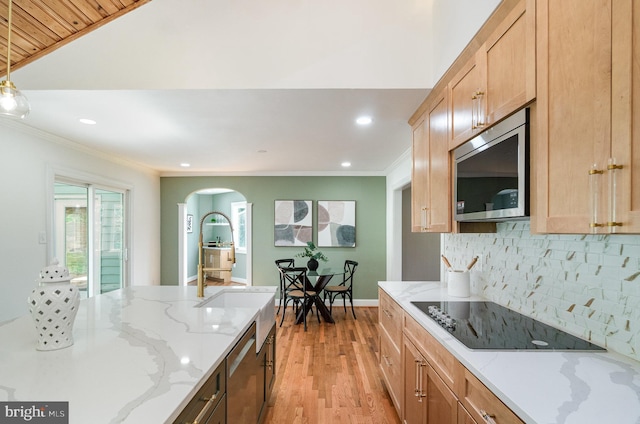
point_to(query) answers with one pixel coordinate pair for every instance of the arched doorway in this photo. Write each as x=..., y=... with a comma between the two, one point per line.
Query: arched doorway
x=216, y=234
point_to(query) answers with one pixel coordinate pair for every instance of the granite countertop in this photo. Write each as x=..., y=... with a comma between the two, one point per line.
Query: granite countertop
x=541, y=387
x=139, y=354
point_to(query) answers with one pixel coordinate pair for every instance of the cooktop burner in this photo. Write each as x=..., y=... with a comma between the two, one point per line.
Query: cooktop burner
x=487, y=325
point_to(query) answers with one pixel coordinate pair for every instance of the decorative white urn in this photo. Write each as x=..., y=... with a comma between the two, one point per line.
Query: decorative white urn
x=53, y=306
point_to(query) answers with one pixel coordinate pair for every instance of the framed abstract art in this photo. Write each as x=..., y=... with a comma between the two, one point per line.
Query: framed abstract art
x=337, y=223
x=293, y=222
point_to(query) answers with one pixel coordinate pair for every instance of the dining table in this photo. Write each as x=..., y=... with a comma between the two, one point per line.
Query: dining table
x=316, y=281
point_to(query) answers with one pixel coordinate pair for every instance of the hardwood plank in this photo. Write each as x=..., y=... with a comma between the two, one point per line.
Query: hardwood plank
x=330, y=373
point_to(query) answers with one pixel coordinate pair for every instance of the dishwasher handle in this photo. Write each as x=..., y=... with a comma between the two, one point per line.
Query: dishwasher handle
x=248, y=344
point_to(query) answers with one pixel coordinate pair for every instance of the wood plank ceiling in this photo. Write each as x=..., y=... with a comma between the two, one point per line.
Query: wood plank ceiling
x=41, y=26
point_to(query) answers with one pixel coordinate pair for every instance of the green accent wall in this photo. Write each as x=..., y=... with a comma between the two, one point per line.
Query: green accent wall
x=368, y=192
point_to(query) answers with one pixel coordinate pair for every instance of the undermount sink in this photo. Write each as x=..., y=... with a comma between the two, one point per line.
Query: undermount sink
x=263, y=301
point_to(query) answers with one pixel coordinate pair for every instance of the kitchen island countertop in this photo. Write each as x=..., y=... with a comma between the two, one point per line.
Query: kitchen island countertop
x=541, y=387
x=139, y=354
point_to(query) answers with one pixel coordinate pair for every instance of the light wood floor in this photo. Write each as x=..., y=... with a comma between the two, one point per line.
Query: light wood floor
x=330, y=373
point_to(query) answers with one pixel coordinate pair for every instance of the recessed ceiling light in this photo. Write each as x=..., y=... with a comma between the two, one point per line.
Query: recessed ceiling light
x=262, y=151
x=364, y=120
x=346, y=164
x=185, y=165
x=87, y=121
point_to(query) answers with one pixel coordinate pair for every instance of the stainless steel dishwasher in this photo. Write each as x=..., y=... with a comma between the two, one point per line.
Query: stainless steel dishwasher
x=242, y=374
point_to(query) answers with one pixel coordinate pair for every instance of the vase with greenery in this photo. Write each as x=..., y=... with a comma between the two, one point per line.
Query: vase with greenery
x=311, y=251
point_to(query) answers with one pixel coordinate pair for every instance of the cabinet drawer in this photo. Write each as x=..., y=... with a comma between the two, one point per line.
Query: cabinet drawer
x=445, y=364
x=390, y=318
x=480, y=402
x=202, y=402
x=391, y=367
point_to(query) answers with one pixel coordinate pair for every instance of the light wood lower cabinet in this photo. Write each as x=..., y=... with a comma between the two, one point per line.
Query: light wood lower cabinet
x=482, y=405
x=415, y=370
x=390, y=334
x=438, y=389
x=427, y=399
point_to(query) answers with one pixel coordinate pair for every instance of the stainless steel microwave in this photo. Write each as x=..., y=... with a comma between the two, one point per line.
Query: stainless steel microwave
x=491, y=173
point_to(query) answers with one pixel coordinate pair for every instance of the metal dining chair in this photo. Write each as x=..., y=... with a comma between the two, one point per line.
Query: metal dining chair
x=280, y=264
x=344, y=289
x=303, y=295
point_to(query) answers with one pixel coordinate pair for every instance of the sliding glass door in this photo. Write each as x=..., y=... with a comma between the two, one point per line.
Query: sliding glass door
x=89, y=233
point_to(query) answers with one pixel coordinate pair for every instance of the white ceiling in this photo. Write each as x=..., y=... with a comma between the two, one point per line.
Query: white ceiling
x=235, y=131
x=239, y=87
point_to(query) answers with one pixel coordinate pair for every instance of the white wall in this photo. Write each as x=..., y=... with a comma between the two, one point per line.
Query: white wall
x=398, y=178
x=27, y=158
x=456, y=23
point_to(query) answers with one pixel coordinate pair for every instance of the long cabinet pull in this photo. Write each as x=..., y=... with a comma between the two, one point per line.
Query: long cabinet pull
x=477, y=112
x=613, y=170
x=205, y=410
x=487, y=417
x=416, y=390
x=269, y=353
x=422, y=391
x=424, y=220
x=595, y=175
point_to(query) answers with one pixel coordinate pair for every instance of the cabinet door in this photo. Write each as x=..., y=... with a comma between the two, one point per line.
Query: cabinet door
x=415, y=376
x=431, y=172
x=463, y=89
x=439, y=204
x=573, y=111
x=442, y=404
x=625, y=126
x=510, y=58
x=419, y=176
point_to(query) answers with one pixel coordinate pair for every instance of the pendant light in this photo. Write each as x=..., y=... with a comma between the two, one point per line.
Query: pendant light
x=12, y=102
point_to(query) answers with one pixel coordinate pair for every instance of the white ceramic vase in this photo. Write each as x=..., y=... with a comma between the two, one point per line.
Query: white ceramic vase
x=53, y=306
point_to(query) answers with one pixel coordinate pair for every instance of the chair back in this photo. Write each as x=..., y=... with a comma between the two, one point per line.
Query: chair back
x=295, y=277
x=349, y=269
x=283, y=263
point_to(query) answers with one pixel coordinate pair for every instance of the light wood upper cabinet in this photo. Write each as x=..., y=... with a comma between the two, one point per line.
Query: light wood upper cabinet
x=509, y=54
x=587, y=79
x=625, y=112
x=419, y=175
x=464, y=89
x=498, y=80
x=430, y=178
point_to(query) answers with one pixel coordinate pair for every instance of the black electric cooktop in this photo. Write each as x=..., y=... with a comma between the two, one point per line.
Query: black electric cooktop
x=487, y=325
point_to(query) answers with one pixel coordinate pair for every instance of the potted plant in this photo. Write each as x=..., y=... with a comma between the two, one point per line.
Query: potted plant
x=312, y=252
